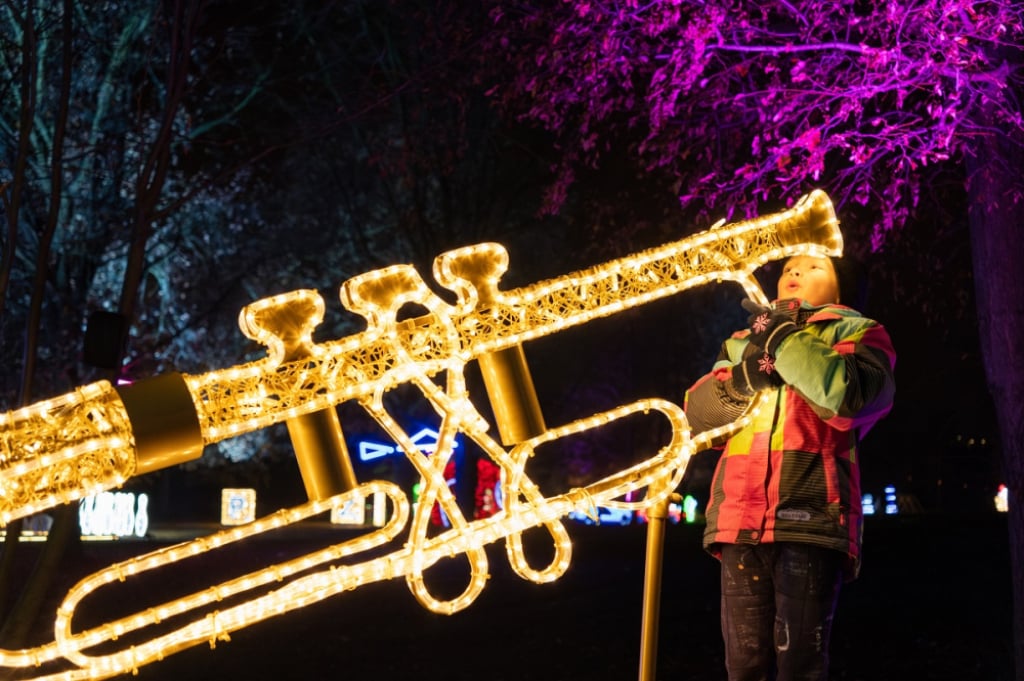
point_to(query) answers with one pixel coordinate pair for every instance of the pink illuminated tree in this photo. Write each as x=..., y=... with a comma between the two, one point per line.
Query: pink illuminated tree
x=743, y=104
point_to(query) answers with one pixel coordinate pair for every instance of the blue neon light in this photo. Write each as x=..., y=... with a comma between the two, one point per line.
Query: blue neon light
x=891, y=506
x=425, y=440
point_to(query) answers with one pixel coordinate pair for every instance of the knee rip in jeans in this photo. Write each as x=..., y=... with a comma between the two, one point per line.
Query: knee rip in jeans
x=782, y=641
x=781, y=635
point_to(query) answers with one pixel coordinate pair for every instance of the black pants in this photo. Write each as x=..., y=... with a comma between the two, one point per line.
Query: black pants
x=777, y=606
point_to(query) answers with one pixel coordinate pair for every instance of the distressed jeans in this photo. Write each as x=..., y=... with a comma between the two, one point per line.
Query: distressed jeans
x=777, y=606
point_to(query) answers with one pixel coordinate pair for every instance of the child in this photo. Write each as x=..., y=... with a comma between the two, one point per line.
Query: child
x=784, y=515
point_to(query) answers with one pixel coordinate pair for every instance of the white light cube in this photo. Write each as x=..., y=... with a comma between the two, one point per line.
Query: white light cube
x=237, y=506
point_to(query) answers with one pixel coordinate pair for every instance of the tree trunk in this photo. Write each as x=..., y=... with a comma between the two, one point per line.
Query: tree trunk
x=15, y=188
x=23, y=616
x=149, y=185
x=18, y=622
x=12, y=202
x=12, y=537
x=996, y=214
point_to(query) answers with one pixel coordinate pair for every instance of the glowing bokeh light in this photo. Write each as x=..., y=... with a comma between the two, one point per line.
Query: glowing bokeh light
x=1002, y=499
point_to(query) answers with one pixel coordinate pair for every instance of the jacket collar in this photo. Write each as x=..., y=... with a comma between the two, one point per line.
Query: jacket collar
x=801, y=312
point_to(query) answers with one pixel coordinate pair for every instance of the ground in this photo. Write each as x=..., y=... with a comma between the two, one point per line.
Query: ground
x=932, y=604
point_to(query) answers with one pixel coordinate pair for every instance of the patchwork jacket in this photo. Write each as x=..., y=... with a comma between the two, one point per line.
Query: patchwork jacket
x=792, y=474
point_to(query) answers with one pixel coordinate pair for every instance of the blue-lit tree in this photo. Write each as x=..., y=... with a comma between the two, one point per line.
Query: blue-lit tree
x=93, y=175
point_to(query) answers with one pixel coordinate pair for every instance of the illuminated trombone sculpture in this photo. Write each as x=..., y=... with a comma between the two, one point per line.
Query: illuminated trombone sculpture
x=99, y=436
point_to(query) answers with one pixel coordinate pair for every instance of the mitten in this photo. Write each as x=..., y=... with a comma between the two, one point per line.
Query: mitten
x=755, y=373
x=768, y=327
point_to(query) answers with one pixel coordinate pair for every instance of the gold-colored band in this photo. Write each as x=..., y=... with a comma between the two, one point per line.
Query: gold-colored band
x=164, y=422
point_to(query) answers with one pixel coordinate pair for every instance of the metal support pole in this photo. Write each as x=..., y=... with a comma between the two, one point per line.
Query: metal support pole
x=656, y=518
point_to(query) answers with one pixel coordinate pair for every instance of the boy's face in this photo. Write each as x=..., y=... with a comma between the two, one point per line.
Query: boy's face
x=809, y=278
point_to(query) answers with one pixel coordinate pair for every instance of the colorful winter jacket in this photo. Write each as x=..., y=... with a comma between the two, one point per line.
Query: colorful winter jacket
x=792, y=474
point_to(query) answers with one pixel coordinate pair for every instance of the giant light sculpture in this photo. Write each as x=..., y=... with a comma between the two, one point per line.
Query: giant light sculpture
x=99, y=436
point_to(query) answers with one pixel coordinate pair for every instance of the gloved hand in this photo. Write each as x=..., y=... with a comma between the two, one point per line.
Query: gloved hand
x=768, y=327
x=755, y=373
